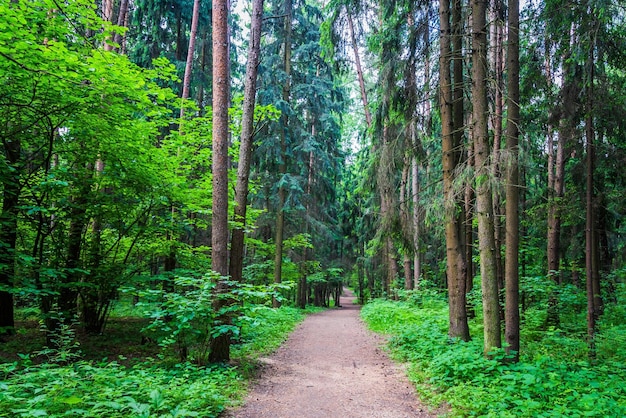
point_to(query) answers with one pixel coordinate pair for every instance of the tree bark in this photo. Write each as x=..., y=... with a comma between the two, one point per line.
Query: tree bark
x=282, y=168
x=220, y=345
x=512, y=314
x=591, y=248
x=122, y=20
x=245, y=148
x=359, y=70
x=190, y=51
x=484, y=203
x=497, y=59
x=455, y=264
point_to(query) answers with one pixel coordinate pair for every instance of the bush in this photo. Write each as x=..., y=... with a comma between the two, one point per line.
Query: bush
x=553, y=378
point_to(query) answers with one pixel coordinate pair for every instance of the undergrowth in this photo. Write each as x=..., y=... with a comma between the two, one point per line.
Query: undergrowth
x=553, y=378
x=146, y=387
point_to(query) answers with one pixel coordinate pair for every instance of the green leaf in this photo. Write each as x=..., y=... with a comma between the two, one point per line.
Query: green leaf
x=72, y=400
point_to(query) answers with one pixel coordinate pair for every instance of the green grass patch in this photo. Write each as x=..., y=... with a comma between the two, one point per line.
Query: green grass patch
x=551, y=379
x=119, y=374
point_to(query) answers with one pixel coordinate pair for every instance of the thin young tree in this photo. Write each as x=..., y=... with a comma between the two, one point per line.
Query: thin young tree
x=511, y=267
x=282, y=166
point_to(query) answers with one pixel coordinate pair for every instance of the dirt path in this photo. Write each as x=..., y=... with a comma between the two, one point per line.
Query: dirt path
x=331, y=366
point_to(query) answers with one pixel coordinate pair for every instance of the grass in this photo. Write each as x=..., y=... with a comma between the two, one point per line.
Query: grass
x=119, y=374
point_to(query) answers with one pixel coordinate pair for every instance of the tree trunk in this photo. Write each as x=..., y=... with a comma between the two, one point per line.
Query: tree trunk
x=484, y=203
x=512, y=314
x=591, y=248
x=122, y=20
x=359, y=70
x=458, y=327
x=245, y=148
x=417, y=265
x=220, y=345
x=282, y=168
x=497, y=58
x=405, y=216
x=468, y=231
x=190, y=52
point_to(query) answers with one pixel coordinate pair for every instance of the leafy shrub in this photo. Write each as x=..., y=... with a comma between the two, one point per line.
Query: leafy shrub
x=146, y=389
x=553, y=378
x=111, y=390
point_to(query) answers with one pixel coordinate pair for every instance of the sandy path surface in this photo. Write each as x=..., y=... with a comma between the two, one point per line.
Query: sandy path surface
x=331, y=366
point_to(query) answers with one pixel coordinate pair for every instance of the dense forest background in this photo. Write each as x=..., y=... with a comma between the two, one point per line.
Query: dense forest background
x=197, y=165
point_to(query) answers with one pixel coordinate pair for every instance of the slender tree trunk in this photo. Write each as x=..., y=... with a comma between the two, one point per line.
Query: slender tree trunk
x=220, y=345
x=92, y=296
x=245, y=148
x=484, y=204
x=282, y=168
x=458, y=327
x=512, y=314
x=496, y=28
x=468, y=231
x=359, y=70
x=190, y=53
x=415, y=188
x=591, y=249
x=122, y=20
x=405, y=215
x=302, y=286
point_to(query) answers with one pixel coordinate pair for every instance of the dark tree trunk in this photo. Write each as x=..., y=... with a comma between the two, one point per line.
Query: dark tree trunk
x=591, y=248
x=122, y=19
x=455, y=263
x=282, y=168
x=512, y=314
x=245, y=148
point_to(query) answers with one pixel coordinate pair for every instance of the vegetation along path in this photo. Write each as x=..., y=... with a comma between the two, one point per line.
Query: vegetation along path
x=331, y=366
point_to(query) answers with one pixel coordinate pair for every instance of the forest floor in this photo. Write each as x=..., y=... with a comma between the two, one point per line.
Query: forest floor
x=331, y=366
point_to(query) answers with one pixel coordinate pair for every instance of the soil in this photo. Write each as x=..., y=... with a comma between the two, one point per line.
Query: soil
x=331, y=366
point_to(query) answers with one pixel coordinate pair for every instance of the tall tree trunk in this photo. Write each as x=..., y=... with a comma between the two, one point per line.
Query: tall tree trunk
x=282, y=168
x=497, y=60
x=245, y=148
x=302, y=285
x=405, y=215
x=415, y=168
x=591, y=248
x=359, y=70
x=8, y=235
x=91, y=296
x=220, y=345
x=512, y=314
x=455, y=264
x=484, y=203
x=415, y=190
x=190, y=53
x=468, y=232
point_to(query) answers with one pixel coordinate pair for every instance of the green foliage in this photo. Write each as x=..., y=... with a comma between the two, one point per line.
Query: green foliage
x=182, y=314
x=551, y=379
x=147, y=388
x=109, y=389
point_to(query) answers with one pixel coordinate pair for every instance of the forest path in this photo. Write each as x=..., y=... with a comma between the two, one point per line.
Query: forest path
x=331, y=366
